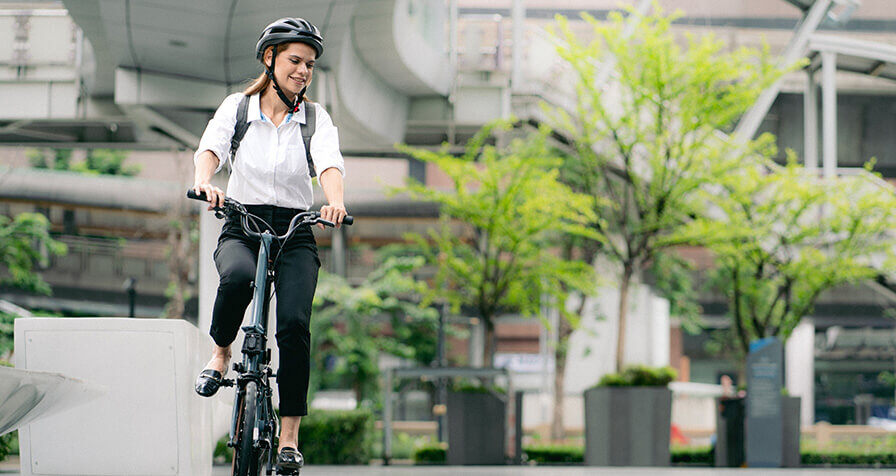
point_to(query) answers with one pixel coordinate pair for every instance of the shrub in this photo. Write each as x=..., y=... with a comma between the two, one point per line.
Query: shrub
x=699, y=455
x=845, y=457
x=433, y=453
x=337, y=437
x=9, y=444
x=639, y=376
x=465, y=386
x=223, y=453
x=568, y=454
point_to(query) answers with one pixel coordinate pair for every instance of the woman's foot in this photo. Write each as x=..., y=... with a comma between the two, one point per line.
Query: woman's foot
x=289, y=461
x=209, y=380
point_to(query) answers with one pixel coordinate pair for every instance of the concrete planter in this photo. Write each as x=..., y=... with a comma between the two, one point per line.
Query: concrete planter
x=476, y=429
x=790, y=416
x=627, y=426
x=730, y=424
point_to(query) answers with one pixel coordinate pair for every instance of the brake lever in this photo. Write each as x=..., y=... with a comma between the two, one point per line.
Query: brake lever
x=326, y=222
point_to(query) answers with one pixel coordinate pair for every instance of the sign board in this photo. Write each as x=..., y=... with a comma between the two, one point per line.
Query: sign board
x=765, y=380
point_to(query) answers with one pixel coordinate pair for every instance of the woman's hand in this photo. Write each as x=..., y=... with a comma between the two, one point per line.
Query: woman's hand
x=333, y=213
x=213, y=194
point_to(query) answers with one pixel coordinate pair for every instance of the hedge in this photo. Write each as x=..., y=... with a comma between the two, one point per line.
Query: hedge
x=568, y=454
x=553, y=454
x=327, y=437
x=851, y=458
x=337, y=437
x=430, y=454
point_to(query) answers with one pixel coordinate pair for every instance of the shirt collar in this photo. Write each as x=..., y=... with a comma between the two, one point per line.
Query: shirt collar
x=254, y=112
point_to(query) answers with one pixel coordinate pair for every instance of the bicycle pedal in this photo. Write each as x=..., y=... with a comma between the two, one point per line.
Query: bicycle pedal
x=227, y=382
x=288, y=472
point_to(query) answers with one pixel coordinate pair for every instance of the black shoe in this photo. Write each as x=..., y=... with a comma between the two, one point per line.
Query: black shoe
x=289, y=461
x=208, y=382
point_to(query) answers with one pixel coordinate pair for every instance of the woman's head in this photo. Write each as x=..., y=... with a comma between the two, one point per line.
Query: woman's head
x=288, y=49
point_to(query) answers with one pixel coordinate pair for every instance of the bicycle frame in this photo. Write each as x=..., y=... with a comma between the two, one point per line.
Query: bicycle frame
x=256, y=355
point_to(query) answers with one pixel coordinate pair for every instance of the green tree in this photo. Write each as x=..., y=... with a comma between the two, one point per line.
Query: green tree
x=355, y=324
x=648, y=140
x=786, y=236
x=495, y=250
x=25, y=242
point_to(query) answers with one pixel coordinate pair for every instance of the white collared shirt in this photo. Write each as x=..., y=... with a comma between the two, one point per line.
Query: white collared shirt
x=270, y=167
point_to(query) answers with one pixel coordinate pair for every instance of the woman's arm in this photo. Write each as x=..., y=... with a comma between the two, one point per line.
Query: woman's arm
x=331, y=182
x=206, y=164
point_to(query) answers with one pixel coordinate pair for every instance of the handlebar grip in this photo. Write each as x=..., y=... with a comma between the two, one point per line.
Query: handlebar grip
x=195, y=196
x=348, y=220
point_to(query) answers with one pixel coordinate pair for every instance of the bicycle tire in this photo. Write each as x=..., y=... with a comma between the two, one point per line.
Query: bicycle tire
x=248, y=460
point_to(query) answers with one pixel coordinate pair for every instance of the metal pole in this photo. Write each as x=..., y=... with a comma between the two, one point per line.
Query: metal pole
x=130, y=285
x=387, y=418
x=810, y=123
x=518, y=15
x=518, y=446
x=829, y=112
x=442, y=388
x=452, y=33
x=339, y=252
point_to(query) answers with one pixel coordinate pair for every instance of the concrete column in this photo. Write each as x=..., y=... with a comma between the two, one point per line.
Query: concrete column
x=339, y=251
x=518, y=14
x=810, y=123
x=209, y=229
x=799, y=369
x=829, y=112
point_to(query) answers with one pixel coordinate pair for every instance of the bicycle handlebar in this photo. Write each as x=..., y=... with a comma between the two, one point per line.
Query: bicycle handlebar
x=307, y=218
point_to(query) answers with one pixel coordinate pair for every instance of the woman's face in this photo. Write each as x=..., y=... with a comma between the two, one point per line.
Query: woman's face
x=294, y=65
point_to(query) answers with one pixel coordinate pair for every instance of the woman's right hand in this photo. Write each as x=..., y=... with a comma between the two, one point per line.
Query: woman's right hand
x=213, y=194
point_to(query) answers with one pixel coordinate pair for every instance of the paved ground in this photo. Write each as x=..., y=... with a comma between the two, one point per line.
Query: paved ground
x=11, y=468
x=547, y=471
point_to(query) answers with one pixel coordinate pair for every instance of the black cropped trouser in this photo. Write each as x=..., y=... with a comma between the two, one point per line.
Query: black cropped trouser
x=296, y=279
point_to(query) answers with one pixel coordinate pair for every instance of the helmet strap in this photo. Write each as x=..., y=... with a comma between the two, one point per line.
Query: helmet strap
x=292, y=106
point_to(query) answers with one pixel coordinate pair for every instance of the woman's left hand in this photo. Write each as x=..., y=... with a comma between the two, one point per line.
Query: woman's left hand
x=334, y=213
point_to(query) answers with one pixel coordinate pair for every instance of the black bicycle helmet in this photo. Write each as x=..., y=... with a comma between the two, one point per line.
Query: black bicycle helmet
x=289, y=30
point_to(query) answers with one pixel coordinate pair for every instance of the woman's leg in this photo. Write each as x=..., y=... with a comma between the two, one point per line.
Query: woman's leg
x=235, y=261
x=296, y=283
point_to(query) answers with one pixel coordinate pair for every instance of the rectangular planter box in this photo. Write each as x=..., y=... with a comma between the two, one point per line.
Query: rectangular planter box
x=627, y=426
x=730, y=441
x=790, y=414
x=476, y=429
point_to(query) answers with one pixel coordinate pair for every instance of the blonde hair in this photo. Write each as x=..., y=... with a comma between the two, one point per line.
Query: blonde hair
x=261, y=83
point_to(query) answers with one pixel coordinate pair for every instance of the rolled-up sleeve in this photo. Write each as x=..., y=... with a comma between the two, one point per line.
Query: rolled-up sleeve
x=325, y=144
x=219, y=131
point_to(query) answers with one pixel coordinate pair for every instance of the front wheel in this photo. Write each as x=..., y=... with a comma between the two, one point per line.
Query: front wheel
x=248, y=460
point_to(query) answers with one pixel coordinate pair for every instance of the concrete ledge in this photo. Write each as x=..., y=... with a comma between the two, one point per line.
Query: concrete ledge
x=150, y=422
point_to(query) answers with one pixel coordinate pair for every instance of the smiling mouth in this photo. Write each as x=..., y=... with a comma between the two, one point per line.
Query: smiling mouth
x=297, y=80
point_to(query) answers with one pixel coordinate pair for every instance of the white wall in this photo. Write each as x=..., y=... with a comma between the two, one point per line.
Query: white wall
x=149, y=422
x=592, y=348
x=799, y=369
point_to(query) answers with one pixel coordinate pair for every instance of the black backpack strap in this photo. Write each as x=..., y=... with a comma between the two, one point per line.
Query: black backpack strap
x=308, y=131
x=240, y=128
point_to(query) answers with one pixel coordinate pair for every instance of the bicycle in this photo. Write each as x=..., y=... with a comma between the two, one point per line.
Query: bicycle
x=254, y=427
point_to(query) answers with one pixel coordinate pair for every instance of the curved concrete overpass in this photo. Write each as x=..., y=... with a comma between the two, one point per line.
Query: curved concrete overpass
x=159, y=67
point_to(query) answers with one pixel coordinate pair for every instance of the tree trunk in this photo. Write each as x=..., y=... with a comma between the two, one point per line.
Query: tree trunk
x=564, y=330
x=623, y=313
x=488, y=357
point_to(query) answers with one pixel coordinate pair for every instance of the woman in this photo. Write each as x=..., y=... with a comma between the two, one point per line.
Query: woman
x=271, y=175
